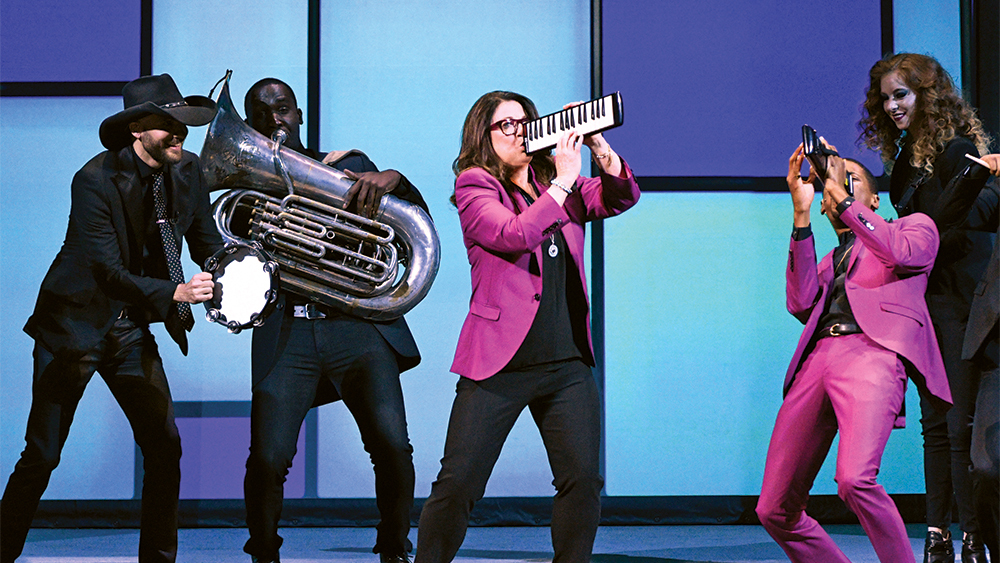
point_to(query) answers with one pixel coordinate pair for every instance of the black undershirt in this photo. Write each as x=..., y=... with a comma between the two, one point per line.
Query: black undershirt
x=153, y=262
x=552, y=337
x=838, y=308
x=149, y=260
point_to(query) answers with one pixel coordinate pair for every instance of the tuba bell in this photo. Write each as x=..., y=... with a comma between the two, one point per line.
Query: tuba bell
x=293, y=207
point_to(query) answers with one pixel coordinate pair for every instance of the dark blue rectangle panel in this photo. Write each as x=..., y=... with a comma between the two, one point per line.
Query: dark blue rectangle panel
x=70, y=41
x=722, y=88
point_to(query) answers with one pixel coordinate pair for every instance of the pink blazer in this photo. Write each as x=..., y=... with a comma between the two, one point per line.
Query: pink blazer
x=886, y=281
x=501, y=245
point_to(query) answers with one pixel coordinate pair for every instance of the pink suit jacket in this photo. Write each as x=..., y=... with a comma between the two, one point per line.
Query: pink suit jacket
x=886, y=280
x=502, y=243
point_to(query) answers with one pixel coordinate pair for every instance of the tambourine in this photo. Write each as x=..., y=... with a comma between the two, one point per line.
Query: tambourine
x=246, y=286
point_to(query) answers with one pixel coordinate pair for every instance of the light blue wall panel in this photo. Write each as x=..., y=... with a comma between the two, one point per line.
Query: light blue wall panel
x=930, y=27
x=698, y=343
x=44, y=142
x=255, y=39
x=398, y=78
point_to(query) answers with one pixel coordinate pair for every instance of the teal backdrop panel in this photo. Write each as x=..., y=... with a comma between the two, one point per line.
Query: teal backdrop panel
x=930, y=27
x=698, y=342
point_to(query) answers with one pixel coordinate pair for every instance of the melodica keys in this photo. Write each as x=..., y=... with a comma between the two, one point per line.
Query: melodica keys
x=587, y=118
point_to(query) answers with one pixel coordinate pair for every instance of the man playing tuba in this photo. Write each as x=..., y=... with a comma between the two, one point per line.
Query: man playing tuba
x=307, y=355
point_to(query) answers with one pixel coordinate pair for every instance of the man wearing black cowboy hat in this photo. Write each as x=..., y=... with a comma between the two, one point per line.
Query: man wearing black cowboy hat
x=118, y=271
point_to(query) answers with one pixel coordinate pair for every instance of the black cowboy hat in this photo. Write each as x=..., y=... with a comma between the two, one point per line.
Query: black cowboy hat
x=153, y=94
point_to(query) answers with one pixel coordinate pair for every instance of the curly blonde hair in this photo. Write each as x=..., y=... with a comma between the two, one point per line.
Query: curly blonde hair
x=941, y=113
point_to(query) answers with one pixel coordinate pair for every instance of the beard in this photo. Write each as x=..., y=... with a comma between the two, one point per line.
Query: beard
x=164, y=150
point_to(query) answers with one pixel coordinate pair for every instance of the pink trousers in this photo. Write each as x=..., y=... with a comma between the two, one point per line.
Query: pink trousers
x=852, y=385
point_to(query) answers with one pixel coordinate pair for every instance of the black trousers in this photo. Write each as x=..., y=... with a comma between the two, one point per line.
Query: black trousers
x=363, y=367
x=948, y=436
x=986, y=459
x=564, y=403
x=129, y=362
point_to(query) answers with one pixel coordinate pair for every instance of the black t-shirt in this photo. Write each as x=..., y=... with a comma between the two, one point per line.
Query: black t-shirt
x=560, y=322
x=153, y=263
x=838, y=308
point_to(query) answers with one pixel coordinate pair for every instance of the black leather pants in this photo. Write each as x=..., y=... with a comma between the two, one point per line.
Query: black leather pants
x=129, y=362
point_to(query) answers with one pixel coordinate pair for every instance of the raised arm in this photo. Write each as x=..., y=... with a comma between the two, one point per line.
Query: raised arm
x=801, y=277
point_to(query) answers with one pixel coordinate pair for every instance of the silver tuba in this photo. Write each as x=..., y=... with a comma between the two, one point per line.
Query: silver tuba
x=293, y=206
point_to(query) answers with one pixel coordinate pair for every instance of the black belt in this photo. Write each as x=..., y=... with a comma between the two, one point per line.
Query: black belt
x=129, y=313
x=840, y=329
x=135, y=314
x=311, y=311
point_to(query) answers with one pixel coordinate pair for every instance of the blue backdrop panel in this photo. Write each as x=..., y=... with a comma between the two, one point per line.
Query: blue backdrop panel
x=60, y=41
x=714, y=88
x=698, y=343
x=397, y=79
x=44, y=142
x=214, y=461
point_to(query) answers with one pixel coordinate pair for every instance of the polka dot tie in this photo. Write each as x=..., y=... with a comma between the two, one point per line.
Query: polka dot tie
x=170, y=250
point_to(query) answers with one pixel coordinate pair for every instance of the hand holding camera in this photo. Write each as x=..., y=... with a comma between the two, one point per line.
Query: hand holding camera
x=818, y=153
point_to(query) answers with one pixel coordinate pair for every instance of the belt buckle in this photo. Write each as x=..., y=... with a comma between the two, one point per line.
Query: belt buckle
x=312, y=312
x=834, y=331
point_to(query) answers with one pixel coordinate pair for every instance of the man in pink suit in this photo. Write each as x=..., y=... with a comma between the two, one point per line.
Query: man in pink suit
x=867, y=328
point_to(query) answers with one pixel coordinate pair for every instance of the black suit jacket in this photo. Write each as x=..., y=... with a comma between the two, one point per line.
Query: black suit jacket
x=985, y=312
x=270, y=338
x=971, y=200
x=964, y=251
x=96, y=273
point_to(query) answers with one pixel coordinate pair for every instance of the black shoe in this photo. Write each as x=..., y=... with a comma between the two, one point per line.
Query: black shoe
x=938, y=548
x=973, y=550
x=405, y=558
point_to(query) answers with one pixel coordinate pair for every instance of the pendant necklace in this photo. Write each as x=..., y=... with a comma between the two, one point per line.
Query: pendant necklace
x=553, y=249
x=845, y=255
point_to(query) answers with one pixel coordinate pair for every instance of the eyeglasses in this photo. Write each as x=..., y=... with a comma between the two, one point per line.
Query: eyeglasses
x=510, y=125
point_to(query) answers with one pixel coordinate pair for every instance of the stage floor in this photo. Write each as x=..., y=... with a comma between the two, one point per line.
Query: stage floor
x=615, y=544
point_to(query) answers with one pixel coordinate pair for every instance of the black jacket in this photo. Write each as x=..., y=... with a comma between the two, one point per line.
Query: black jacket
x=270, y=338
x=96, y=273
x=972, y=200
x=964, y=253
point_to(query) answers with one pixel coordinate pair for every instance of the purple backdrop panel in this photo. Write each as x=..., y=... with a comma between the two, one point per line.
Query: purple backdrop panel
x=59, y=41
x=215, y=455
x=722, y=88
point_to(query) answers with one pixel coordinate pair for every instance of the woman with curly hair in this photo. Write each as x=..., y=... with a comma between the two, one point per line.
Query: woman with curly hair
x=526, y=340
x=916, y=117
